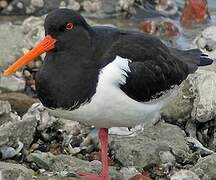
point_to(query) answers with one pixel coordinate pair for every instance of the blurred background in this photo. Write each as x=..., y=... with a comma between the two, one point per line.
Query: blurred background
x=59, y=148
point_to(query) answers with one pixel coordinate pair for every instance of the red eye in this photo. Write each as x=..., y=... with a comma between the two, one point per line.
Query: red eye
x=69, y=26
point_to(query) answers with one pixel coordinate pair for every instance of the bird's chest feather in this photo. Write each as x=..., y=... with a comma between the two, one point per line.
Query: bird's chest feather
x=110, y=106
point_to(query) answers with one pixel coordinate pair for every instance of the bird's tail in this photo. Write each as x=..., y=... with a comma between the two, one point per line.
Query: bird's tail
x=193, y=58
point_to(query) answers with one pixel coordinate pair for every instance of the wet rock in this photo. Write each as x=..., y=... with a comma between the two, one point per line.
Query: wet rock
x=149, y=145
x=10, y=47
x=205, y=167
x=66, y=163
x=9, y=171
x=19, y=102
x=206, y=41
x=184, y=174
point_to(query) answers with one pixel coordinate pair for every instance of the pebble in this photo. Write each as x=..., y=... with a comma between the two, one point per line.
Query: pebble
x=184, y=174
x=3, y=4
x=72, y=4
x=7, y=152
x=10, y=8
x=38, y=63
x=167, y=157
x=26, y=73
x=74, y=151
x=37, y=3
x=20, y=5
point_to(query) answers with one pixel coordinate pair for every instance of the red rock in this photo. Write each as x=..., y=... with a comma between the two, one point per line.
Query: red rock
x=195, y=11
x=159, y=27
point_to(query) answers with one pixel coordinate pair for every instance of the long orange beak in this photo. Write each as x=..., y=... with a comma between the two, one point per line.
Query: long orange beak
x=43, y=46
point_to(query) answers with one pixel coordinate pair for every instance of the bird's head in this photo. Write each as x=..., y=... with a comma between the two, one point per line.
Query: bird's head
x=64, y=29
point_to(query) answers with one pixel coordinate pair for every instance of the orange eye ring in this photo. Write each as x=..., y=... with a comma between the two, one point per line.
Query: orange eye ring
x=69, y=26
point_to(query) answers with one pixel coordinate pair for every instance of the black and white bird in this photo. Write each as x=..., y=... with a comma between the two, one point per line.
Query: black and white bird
x=105, y=76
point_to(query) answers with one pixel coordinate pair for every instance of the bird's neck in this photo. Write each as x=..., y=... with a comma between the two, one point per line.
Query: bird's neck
x=67, y=80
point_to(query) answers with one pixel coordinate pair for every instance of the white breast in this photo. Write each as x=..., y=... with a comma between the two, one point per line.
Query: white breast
x=110, y=106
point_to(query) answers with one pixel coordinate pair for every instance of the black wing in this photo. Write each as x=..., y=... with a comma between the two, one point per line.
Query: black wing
x=155, y=67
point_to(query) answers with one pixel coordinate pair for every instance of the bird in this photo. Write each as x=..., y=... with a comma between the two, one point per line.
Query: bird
x=104, y=76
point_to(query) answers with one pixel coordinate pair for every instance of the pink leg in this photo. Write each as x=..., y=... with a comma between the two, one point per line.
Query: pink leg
x=104, y=175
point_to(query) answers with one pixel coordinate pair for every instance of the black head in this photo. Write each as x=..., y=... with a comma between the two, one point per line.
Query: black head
x=66, y=25
x=69, y=74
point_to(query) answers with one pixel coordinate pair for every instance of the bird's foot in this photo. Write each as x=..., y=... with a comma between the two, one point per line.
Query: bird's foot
x=91, y=176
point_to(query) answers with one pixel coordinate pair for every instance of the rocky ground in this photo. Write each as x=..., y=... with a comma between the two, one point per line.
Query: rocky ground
x=93, y=8
x=36, y=145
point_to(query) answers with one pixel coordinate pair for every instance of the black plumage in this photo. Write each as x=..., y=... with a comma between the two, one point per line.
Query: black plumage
x=69, y=75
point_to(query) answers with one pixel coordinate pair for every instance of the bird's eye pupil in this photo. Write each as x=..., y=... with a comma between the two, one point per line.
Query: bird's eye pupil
x=69, y=26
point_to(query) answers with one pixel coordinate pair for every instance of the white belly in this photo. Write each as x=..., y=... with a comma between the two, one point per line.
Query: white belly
x=110, y=106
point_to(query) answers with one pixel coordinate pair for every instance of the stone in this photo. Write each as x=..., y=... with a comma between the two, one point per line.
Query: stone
x=11, y=41
x=16, y=129
x=19, y=102
x=41, y=115
x=90, y=6
x=20, y=5
x=206, y=41
x=9, y=171
x=7, y=152
x=5, y=107
x=195, y=144
x=205, y=167
x=66, y=163
x=72, y=4
x=6, y=116
x=37, y=3
x=195, y=99
x=179, y=108
x=184, y=174
x=147, y=146
x=3, y=4
x=55, y=178
x=33, y=30
x=12, y=83
x=129, y=172
x=167, y=157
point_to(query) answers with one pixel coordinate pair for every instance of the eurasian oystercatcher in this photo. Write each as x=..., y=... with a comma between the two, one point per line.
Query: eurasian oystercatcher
x=105, y=76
